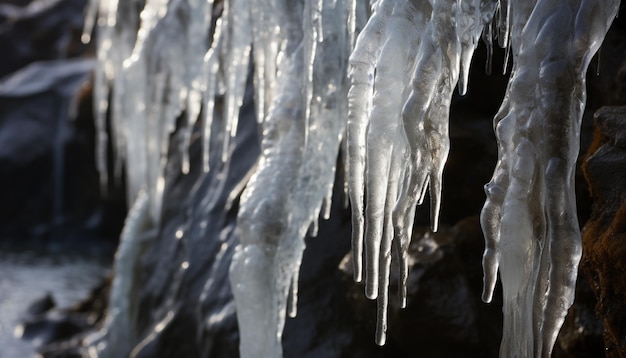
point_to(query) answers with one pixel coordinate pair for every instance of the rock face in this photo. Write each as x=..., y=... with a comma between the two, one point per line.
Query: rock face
x=48, y=182
x=444, y=316
x=604, y=236
x=34, y=30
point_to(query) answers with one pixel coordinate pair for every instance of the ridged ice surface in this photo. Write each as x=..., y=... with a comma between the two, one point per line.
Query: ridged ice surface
x=404, y=69
x=398, y=144
x=169, y=65
x=529, y=219
x=296, y=170
x=152, y=69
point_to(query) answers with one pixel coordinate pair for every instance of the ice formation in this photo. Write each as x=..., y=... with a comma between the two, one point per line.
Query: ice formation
x=387, y=95
x=119, y=327
x=393, y=122
x=529, y=219
x=296, y=171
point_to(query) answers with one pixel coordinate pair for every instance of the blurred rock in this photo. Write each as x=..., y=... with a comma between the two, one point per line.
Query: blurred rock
x=36, y=30
x=48, y=180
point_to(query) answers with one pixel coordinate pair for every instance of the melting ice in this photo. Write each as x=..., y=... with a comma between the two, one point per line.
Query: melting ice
x=386, y=95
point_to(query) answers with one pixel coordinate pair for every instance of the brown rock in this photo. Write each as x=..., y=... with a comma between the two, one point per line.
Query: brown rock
x=604, y=235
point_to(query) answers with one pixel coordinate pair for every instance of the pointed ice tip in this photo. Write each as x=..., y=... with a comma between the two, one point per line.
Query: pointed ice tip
x=381, y=338
x=487, y=296
x=85, y=38
x=370, y=294
x=293, y=312
x=434, y=225
x=463, y=89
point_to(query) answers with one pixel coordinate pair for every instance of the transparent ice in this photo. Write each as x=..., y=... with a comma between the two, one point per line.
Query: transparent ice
x=386, y=96
x=529, y=219
x=393, y=122
x=296, y=171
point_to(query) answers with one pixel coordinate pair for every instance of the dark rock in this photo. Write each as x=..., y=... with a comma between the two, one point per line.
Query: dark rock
x=444, y=316
x=35, y=31
x=48, y=180
x=41, y=305
x=604, y=235
x=52, y=328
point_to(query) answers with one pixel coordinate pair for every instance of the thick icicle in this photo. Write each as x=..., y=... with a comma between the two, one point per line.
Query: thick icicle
x=277, y=211
x=362, y=66
x=387, y=113
x=529, y=219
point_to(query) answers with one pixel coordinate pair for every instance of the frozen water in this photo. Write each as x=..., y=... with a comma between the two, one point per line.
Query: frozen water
x=394, y=90
x=393, y=121
x=300, y=141
x=529, y=219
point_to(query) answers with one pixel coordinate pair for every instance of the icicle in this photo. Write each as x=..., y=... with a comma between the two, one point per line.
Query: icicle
x=276, y=212
x=328, y=201
x=402, y=111
x=266, y=47
x=91, y=12
x=488, y=40
x=119, y=334
x=200, y=14
x=211, y=67
x=362, y=66
x=351, y=23
x=529, y=218
x=193, y=100
x=397, y=134
x=345, y=171
x=314, y=34
x=237, y=47
x=292, y=300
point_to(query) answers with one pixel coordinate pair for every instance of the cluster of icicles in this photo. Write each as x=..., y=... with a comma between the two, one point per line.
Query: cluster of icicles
x=386, y=97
